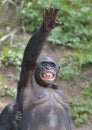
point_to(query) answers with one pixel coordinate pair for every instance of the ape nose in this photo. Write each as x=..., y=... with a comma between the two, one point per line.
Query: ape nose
x=48, y=67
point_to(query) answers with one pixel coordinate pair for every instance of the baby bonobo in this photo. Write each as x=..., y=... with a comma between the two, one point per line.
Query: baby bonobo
x=40, y=99
x=9, y=117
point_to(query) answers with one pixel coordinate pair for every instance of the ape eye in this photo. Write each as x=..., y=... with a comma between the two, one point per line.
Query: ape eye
x=52, y=64
x=43, y=63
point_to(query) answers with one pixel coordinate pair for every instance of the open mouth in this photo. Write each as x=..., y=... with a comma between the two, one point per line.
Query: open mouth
x=48, y=76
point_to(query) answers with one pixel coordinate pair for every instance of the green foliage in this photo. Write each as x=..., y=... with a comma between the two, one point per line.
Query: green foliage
x=81, y=106
x=7, y=91
x=31, y=14
x=83, y=57
x=7, y=1
x=75, y=15
x=11, y=55
x=1, y=79
x=69, y=68
x=72, y=64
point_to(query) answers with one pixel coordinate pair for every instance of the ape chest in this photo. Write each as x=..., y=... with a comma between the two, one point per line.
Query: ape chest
x=42, y=98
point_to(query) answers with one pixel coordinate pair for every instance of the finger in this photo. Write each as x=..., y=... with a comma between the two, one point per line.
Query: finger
x=56, y=11
x=51, y=10
x=57, y=23
x=46, y=11
x=19, y=114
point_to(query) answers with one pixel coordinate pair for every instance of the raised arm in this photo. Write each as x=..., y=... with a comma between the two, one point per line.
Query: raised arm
x=33, y=51
x=36, y=43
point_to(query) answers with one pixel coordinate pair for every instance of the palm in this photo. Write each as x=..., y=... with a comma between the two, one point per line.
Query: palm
x=49, y=18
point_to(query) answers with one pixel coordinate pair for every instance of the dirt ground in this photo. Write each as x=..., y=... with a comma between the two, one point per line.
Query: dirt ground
x=70, y=88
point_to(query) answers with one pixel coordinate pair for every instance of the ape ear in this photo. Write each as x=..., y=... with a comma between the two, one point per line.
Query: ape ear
x=59, y=66
x=58, y=72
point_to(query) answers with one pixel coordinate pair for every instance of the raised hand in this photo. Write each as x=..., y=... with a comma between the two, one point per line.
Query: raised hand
x=49, y=18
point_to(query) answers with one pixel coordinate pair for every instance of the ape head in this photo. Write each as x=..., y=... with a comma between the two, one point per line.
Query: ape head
x=46, y=71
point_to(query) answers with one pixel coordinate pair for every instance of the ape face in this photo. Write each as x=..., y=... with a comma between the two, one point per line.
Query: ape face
x=46, y=71
x=47, y=74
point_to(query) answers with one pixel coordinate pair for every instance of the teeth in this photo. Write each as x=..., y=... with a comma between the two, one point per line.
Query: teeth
x=48, y=75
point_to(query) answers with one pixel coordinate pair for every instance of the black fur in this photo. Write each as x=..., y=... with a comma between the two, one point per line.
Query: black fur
x=43, y=105
x=8, y=117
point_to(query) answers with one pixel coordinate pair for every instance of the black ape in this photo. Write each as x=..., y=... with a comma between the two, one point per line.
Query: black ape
x=7, y=117
x=10, y=117
x=41, y=101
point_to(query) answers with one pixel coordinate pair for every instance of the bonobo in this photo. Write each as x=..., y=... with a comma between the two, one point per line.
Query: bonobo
x=40, y=99
x=8, y=117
